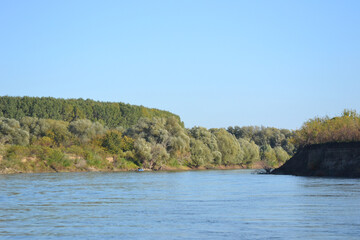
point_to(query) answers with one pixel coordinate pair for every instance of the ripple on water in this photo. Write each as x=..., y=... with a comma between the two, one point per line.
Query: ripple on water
x=232, y=204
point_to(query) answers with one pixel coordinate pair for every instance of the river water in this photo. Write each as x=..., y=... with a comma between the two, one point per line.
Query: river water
x=229, y=204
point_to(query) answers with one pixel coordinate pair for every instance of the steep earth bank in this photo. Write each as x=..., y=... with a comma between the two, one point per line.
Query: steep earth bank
x=330, y=159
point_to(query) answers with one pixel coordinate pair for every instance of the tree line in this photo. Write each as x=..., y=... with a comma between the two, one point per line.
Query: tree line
x=153, y=143
x=110, y=114
x=345, y=128
x=54, y=138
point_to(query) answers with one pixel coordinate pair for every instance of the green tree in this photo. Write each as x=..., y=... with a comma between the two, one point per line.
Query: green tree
x=200, y=153
x=86, y=130
x=58, y=132
x=37, y=128
x=268, y=156
x=209, y=140
x=115, y=143
x=167, y=132
x=229, y=147
x=250, y=150
x=281, y=155
x=151, y=155
x=11, y=133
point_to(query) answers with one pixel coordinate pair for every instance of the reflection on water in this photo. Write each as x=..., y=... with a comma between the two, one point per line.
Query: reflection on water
x=232, y=204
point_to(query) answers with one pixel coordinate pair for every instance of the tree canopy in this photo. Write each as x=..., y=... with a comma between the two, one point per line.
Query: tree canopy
x=51, y=129
x=109, y=113
x=345, y=128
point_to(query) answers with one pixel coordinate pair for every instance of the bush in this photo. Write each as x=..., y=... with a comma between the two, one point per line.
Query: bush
x=345, y=128
x=16, y=152
x=122, y=163
x=115, y=143
x=93, y=159
x=57, y=159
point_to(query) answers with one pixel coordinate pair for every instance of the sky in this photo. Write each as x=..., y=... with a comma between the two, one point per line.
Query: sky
x=213, y=63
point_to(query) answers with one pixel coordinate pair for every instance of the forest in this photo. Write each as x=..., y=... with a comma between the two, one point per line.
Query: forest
x=109, y=114
x=36, y=139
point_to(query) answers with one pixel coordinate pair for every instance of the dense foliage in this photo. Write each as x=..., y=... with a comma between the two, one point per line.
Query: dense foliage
x=108, y=113
x=274, y=145
x=63, y=135
x=34, y=144
x=345, y=128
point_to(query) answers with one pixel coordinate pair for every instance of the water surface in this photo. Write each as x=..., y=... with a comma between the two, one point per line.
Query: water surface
x=230, y=204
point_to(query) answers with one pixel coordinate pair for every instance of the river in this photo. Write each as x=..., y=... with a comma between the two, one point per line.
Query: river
x=228, y=204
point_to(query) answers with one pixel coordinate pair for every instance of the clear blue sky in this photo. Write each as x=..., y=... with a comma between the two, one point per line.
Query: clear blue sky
x=214, y=63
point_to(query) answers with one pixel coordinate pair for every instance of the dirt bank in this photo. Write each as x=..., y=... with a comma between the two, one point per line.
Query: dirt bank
x=330, y=159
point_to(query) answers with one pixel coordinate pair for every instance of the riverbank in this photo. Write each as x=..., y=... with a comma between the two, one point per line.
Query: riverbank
x=167, y=169
x=73, y=163
x=328, y=159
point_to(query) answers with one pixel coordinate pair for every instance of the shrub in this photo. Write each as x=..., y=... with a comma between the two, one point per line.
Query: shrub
x=57, y=159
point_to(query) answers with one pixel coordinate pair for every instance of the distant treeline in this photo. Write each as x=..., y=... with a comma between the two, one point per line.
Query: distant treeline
x=109, y=114
x=345, y=128
x=35, y=144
